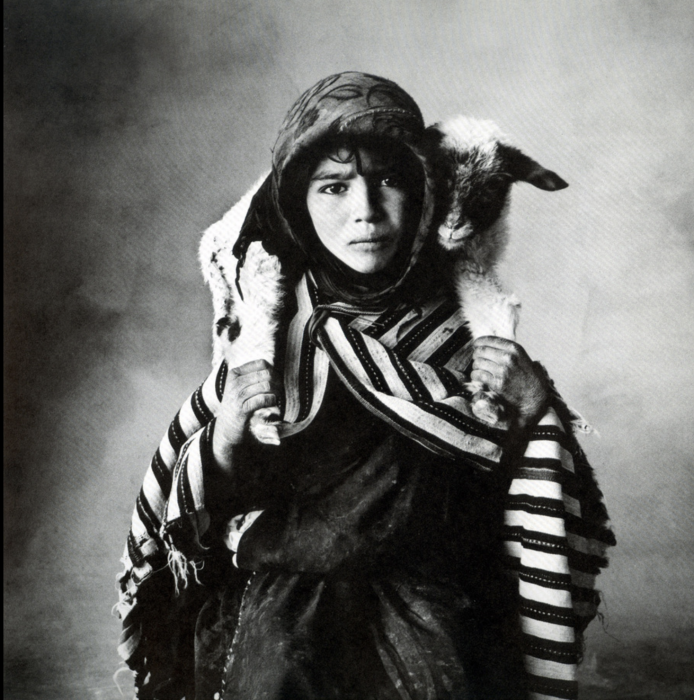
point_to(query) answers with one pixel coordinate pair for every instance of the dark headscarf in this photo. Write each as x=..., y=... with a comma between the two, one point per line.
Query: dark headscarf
x=346, y=108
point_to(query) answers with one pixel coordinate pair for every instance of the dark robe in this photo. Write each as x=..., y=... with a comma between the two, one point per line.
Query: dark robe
x=375, y=571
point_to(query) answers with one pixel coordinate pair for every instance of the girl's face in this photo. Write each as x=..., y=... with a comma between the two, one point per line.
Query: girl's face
x=359, y=207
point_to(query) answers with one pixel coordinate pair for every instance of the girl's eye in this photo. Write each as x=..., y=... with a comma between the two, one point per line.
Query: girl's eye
x=334, y=188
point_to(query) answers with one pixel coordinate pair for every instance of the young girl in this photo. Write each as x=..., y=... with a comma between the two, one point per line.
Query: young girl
x=369, y=549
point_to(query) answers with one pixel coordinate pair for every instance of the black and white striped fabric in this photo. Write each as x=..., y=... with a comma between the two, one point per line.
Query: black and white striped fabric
x=407, y=366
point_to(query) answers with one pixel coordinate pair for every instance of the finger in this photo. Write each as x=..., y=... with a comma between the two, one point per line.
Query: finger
x=486, y=378
x=492, y=354
x=259, y=401
x=264, y=375
x=235, y=523
x=515, y=350
x=493, y=341
x=494, y=368
x=248, y=392
x=233, y=540
x=249, y=519
x=253, y=366
x=243, y=380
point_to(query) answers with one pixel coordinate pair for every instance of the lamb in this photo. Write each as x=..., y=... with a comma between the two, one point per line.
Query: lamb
x=247, y=299
x=474, y=167
x=477, y=167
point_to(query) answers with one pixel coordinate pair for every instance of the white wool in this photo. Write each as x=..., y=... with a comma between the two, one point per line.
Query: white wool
x=262, y=284
x=462, y=133
x=256, y=312
x=484, y=249
x=487, y=308
x=219, y=264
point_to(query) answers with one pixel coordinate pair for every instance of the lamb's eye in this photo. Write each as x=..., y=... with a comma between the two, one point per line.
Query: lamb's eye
x=391, y=181
x=494, y=187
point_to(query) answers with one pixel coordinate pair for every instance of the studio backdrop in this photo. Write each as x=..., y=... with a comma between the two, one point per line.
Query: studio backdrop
x=131, y=126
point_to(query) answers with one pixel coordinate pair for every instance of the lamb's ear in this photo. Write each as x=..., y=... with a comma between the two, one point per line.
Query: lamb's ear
x=431, y=141
x=524, y=169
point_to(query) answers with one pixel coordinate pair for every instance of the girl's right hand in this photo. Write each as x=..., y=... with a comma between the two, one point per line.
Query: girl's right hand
x=248, y=387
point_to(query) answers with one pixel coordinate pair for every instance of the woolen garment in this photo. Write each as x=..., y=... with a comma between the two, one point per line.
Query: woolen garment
x=392, y=515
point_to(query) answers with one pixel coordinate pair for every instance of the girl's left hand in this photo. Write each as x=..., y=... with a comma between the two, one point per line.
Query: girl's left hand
x=505, y=368
x=235, y=529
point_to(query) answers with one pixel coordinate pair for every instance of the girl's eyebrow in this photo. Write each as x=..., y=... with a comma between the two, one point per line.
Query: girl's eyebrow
x=332, y=175
x=380, y=170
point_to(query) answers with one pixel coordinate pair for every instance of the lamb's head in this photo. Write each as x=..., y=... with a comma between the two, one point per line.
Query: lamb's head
x=474, y=167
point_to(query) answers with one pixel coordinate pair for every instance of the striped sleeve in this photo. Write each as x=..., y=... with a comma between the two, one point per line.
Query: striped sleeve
x=187, y=518
x=151, y=509
x=172, y=485
x=555, y=549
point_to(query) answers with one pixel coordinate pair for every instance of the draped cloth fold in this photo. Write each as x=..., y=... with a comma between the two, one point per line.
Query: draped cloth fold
x=407, y=365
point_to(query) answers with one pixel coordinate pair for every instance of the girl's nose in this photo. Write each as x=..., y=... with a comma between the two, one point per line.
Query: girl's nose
x=365, y=203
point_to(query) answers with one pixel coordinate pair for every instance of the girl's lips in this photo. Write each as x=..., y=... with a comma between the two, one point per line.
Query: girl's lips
x=372, y=242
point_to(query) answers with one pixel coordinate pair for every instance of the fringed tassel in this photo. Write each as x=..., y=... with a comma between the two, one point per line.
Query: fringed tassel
x=121, y=668
x=181, y=567
x=580, y=425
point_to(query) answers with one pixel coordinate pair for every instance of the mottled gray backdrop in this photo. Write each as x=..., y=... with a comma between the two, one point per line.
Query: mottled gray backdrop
x=131, y=125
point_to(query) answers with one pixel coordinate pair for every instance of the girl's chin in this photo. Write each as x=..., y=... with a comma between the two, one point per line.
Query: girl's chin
x=369, y=264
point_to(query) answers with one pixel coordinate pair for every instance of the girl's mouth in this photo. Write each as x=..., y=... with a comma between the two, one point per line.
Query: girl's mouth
x=374, y=243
